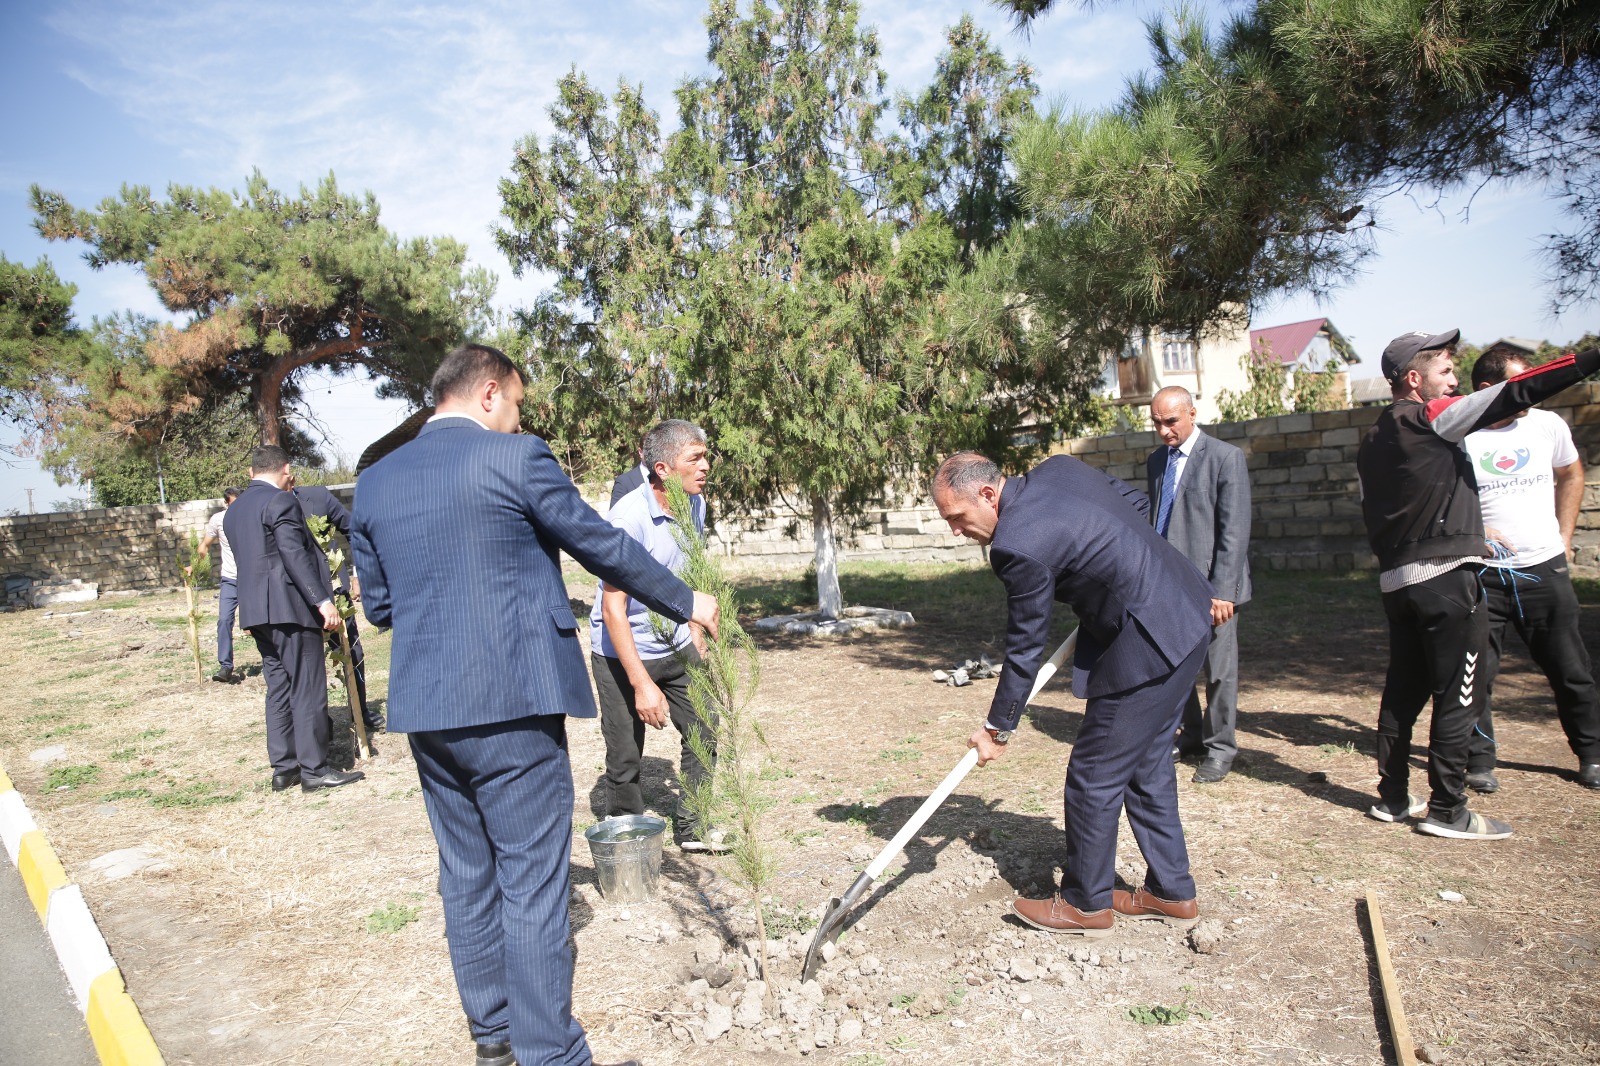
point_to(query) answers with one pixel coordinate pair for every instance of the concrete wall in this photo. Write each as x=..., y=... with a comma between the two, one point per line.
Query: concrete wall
x=1307, y=510
x=1302, y=474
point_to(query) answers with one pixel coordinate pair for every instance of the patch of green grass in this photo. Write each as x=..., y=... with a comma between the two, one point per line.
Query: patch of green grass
x=1347, y=748
x=124, y=754
x=800, y=836
x=772, y=771
x=903, y=1000
x=140, y=775
x=71, y=777
x=391, y=918
x=900, y=754
x=48, y=716
x=868, y=1058
x=804, y=797
x=65, y=730
x=127, y=794
x=860, y=814
x=903, y=1042
x=150, y=734
x=195, y=794
x=77, y=675
x=1160, y=1014
x=958, y=991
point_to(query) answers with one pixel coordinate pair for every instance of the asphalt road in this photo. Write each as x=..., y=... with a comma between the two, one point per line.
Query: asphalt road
x=42, y=1024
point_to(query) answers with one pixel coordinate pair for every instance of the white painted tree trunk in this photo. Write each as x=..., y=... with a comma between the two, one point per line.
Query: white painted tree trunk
x=829, y=600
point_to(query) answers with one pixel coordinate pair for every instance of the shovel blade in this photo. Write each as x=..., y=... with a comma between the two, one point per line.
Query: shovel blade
x=832, y=918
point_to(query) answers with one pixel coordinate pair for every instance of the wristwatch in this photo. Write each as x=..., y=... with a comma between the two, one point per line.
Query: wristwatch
x=999, y=736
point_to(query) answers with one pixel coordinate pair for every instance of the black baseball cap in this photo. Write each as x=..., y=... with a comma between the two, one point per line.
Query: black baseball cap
x=1405, y=347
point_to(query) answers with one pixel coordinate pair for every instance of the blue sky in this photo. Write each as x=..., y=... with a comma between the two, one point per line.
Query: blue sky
x=421, y=103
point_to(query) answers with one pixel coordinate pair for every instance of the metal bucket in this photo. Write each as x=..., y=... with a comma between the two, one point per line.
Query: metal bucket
x=627, y=856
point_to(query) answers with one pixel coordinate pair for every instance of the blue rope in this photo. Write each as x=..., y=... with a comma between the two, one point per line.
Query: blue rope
x=1500, y=551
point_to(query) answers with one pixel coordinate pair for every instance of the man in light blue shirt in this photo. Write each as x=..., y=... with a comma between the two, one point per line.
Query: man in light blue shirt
x=641, y=676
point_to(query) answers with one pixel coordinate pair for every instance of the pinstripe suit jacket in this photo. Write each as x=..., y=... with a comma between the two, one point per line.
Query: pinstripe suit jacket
x=456, y=537
x=1072, y=534
x=1210, y=521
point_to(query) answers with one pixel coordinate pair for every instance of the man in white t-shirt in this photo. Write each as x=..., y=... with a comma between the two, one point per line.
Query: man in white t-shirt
x=1530, y=485
x=227, y=590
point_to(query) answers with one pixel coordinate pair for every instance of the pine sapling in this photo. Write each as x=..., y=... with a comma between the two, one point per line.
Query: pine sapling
x=729, y=741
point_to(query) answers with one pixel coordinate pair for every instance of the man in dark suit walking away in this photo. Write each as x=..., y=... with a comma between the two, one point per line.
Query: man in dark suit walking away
x=319, y=501
x=286, y=602
x=456, y=536
x=1067, y=532
x=1200, y=490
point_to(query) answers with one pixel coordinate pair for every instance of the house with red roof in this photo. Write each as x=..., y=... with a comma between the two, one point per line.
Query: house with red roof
x=1210, y=365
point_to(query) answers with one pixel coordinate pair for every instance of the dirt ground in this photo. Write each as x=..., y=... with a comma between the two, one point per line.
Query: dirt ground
x=287, y=928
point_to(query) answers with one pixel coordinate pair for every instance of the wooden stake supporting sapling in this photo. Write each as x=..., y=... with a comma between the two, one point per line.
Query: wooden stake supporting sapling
x=322, y=532
x=195, y=569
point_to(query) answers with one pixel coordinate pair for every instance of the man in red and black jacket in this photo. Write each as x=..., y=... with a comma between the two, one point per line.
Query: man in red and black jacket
x=1420, y=502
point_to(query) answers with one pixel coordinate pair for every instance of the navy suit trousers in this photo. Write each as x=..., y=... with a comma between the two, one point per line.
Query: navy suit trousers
x=297, y=698
x=500, y=800
x=1123, y=759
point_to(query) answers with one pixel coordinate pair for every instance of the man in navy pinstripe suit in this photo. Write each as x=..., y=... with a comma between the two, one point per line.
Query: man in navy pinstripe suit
x=456, y=536
x=1065, y=532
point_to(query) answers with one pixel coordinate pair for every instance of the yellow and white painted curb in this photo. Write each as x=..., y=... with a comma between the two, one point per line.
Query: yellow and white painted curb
x=119, y=1033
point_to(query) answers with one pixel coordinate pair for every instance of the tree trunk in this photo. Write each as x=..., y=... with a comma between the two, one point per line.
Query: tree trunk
x=829, y=600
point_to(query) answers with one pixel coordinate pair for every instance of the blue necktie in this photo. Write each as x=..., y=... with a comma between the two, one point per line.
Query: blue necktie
x=1169, y=485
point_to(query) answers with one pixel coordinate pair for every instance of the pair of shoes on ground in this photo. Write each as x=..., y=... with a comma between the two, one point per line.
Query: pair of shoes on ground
x=1056, y=915
x=331, y=779
x=1470, y=826
x=499, y=1054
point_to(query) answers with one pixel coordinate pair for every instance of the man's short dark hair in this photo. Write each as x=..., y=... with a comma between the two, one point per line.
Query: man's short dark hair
x=268, y=457
x=667, y=441
x=964, y=473
x=468, y=367
x=1490, y=369
x=230, y=494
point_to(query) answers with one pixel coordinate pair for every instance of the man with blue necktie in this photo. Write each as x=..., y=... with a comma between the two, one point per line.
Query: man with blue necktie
x=1202, y=492
x=456, y=536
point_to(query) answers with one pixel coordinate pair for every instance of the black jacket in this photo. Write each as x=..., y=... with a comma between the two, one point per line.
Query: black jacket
x=1070, y=533
x=1418, y=493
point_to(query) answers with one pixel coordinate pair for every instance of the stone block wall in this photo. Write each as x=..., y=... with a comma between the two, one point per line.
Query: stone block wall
x=1303, y=485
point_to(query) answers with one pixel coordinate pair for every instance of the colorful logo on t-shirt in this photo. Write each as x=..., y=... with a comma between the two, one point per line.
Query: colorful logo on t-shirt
x=1503, y=461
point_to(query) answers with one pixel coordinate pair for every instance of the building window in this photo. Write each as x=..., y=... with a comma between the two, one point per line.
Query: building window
x=1177, y=354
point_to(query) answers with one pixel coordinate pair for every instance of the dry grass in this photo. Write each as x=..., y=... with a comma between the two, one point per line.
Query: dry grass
x=253, y=945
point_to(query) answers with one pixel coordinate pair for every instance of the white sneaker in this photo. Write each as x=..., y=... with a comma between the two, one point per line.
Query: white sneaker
x=1383, y=812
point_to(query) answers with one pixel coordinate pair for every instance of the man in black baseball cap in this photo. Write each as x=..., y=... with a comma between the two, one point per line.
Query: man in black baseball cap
x=1400, y=353
x=1420, y=502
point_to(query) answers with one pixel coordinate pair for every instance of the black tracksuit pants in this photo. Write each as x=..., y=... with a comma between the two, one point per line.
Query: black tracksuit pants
x=1438, y=639
x=1540, y=603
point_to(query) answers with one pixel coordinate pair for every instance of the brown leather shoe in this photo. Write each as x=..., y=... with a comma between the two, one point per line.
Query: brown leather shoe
x=1056, y=915
x=1142, y=903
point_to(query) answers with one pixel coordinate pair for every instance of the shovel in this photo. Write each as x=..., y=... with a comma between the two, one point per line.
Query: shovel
x=838, y=909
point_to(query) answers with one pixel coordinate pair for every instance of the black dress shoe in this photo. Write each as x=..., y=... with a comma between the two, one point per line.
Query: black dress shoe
x=1589, y=775
x=1182, y=752
x=226, y=676
x=331, y=779
x=1210, y=771
x=374, y=728
x=283, y=781
x=496, y=1054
